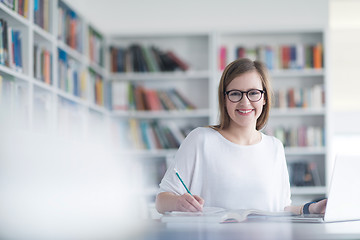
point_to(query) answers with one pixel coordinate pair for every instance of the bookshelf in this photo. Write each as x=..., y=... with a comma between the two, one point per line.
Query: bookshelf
x=69, y=81
x=192, y=79
x=47, y=84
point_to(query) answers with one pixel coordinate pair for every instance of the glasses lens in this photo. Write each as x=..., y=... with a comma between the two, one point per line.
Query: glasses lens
x=254, y=95
x=234, y=96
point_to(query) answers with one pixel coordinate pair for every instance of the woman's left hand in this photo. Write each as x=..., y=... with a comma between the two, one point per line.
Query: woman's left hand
x=318, y=207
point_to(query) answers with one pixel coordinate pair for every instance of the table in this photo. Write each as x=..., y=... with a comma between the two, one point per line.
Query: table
x=250, y=230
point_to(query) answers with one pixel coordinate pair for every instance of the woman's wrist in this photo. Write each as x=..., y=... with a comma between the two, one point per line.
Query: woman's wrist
x=306, y=208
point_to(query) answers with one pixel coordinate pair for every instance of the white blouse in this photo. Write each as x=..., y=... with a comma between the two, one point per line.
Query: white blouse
x=229, y=175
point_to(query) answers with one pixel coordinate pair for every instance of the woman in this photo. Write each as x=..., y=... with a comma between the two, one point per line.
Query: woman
x=233, y=165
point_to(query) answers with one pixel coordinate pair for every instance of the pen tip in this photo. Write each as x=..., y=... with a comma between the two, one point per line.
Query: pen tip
x=175, y=170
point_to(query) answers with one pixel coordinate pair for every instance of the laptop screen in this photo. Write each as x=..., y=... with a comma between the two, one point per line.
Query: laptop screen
x=344, y=194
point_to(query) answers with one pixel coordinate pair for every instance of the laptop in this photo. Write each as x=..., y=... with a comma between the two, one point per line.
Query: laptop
x=344, y=194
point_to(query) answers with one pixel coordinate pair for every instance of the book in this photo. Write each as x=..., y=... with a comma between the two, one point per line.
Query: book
x=221, y=215
x=222, y=58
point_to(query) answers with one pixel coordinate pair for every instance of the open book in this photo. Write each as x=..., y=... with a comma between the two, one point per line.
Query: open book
x=220, y=215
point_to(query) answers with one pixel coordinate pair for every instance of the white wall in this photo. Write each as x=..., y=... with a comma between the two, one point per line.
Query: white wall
x=344, y=35
x=118, y=16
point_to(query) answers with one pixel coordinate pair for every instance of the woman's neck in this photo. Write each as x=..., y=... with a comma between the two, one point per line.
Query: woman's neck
x=241, y=136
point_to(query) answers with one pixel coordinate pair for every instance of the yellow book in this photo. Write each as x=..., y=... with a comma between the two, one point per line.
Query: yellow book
x=26, y=8
x=83, y=85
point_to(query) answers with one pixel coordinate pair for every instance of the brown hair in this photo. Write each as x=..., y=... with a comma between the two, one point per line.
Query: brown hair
x=233, y=70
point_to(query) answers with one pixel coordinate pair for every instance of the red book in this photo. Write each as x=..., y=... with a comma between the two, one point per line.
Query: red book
x=47, y=67
x=222, y=58
x=152, y=99
x=318, y=61
x=183, y=65
x=285, y=56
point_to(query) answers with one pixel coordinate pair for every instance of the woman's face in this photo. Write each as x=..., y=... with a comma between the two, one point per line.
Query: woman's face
x=245, y=113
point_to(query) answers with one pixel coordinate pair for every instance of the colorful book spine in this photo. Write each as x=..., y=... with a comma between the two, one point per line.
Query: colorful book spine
x=19, y=6
x=299, y=136
x=69, y=27
x=95, y=47
x=286, y=56
x=137, y=58
x=309, y=97
x=145, y=99
x=42, y=64
x=10, y=47
x=98, y=87
x=152, y=135
x=222, y=58
x=41, y=14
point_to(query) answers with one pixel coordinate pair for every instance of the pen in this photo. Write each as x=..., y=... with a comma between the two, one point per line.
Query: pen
x=177, y=174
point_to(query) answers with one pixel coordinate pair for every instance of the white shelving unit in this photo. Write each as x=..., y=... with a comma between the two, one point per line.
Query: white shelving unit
x=45, y=101
x=52, y=108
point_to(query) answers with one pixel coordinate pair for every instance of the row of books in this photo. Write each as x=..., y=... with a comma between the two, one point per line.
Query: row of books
x=304, y=173
x=98, y=88
x=302, y=136
x=41, y=14
x=295, y=56
x=137, y=97
x=42, y=64
x=154, y=135
x=95, y=47
x=137, y=58
x=19, y=6
x=313, y=97
x=69, y=27
x=10, y=46
x=71, y=78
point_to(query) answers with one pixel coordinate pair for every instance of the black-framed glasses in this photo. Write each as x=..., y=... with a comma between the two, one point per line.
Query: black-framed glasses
x=253, y=95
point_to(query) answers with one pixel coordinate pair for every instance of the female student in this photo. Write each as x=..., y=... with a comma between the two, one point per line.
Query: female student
x=233, y=165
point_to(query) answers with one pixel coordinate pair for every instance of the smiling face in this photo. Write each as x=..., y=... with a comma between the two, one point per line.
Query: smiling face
x=245, y=113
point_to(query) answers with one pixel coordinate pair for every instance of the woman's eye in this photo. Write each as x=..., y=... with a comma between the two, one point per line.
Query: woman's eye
x=254, y=93
x=235, y=93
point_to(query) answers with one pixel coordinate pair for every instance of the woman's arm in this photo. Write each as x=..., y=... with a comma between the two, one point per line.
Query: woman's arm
x=316, y=207
x=167, y=201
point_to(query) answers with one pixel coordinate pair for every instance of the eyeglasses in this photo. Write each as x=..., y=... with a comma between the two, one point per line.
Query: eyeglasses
x=253, y=95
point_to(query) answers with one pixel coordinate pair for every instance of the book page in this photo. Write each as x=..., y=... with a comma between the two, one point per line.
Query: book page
x=206, y=211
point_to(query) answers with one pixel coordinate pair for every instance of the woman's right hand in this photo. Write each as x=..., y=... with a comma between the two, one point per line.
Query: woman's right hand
x=189, y=203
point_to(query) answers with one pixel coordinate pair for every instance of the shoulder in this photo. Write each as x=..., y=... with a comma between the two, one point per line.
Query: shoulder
x=272, y=141
x=200, y=133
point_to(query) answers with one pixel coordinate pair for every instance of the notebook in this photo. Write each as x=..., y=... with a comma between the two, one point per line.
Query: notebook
x=221, y=215
x=344, y=194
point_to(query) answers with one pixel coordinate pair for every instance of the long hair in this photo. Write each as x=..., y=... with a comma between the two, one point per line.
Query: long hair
x=233, y=70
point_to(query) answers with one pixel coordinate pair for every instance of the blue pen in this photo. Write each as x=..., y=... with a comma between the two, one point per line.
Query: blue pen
x=177, y=174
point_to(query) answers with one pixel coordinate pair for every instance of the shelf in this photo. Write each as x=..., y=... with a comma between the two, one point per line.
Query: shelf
x=198, y=113
x=17, y=17
x=289, y=112
x=44, y=34
x=313, y=190
x=297, y=72
x=163, y=76
x=97, y=68
x=305, y=150
x=14, y=73
x=72, y=52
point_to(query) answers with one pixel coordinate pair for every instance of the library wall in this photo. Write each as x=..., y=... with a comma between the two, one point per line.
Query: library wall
x=200, y=15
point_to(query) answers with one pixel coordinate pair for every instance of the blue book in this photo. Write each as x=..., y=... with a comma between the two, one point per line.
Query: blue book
x=293, y=57
x=76, y=84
